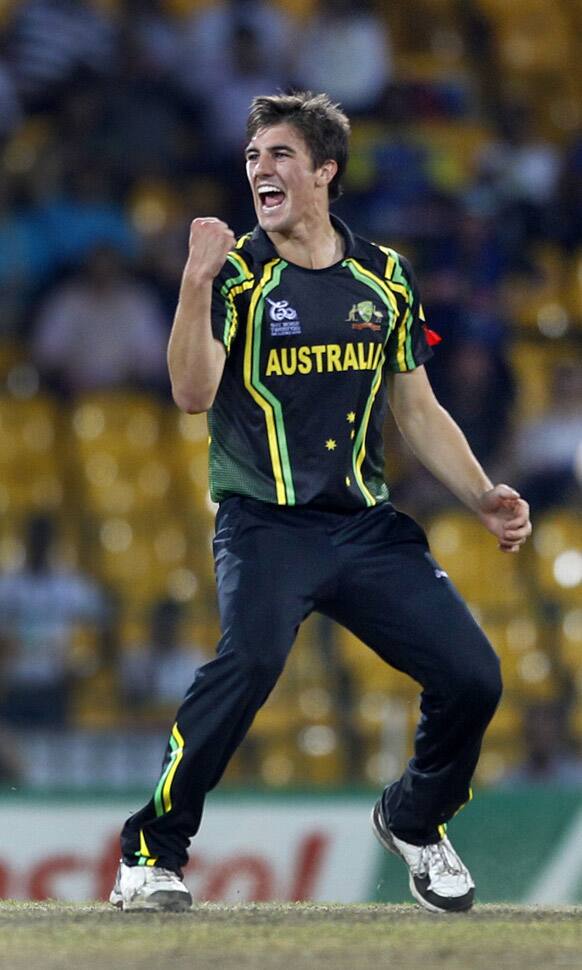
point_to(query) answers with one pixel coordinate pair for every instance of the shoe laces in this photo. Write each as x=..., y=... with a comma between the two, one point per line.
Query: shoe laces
x=158, y=874
x=440, y=858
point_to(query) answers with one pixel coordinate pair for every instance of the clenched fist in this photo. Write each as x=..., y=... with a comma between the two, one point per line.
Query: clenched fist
x=504, y=512
x=210, y=241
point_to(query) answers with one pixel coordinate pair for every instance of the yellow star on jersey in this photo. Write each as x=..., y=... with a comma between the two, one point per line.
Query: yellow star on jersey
x=330, y=444
x=351, y=417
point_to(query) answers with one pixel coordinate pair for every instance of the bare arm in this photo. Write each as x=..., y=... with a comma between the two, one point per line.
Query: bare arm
x=195, y=358
x=441, y=446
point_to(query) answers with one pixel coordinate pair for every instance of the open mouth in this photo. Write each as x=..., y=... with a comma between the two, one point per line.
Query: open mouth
x=271, y=197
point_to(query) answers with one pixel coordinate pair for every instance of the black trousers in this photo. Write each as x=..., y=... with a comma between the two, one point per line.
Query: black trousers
x=370, y=571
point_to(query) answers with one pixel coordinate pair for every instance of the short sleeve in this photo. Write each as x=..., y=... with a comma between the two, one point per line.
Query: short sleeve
x=228, y=290
x=409, y=342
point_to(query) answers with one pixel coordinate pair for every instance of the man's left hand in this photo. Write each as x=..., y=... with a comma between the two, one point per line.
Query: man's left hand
x=506, y=515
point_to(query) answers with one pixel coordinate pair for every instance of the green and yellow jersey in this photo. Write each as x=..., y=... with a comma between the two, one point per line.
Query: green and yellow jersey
x=298, y=416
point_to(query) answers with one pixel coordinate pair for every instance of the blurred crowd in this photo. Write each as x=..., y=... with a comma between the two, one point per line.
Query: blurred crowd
x=122, y=121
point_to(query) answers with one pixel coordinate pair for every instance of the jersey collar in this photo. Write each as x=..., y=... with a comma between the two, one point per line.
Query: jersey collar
x=264, y=249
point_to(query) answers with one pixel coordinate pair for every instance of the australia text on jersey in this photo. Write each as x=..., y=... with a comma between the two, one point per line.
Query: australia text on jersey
x=323, y=358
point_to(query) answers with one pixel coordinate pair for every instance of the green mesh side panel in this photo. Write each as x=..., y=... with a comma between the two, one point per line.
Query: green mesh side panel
x=233, y=471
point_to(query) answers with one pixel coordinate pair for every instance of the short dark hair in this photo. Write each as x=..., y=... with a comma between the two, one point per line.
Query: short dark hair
x=322, y=124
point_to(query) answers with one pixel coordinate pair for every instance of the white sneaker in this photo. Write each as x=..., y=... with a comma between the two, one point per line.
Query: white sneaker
x=149, y=887
x=438, y=879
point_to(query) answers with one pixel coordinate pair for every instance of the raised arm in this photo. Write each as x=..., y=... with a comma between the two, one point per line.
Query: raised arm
x=441, y=446
x=195, y=358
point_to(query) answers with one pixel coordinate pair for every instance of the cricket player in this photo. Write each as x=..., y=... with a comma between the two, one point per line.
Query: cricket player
x=295, y=339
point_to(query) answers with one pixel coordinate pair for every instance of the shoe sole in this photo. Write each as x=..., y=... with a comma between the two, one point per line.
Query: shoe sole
x=160, y=902
x=386, y=841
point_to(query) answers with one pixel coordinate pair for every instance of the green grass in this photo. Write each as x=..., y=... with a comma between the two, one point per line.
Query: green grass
x=291, y=936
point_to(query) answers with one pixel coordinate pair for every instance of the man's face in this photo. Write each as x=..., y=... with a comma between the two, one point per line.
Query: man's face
x=282, y=177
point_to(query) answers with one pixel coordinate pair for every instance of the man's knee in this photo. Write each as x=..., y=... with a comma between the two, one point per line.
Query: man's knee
x=261, y=668
x=480, y=684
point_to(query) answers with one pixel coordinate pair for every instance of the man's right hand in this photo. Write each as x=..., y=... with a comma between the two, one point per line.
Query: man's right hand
x=196, y=357
x=210, y=241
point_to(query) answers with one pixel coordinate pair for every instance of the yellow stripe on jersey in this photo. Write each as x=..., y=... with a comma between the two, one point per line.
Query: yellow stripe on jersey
x=382, y=287
x=233, y=312
x=392, y=262
x=240, y=262
x=402, y=335
x=232, y=288
x=370, y=500
x=404, y=356
x=262, y=401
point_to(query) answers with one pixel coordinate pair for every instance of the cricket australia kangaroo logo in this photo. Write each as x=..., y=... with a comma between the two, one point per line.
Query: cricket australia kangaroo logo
x=365, y=316
x=284, y=319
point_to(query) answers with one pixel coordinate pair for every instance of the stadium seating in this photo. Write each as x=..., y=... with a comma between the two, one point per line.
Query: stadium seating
x=574, y=290
x=31, y=473
x=140, y=527
x=96, y=703
x=558, y=560
x=186, y=442
x=502, y=744
x=452, y=148
x=182, y=7
x=370, y=674
x=470, y=555
x=153, y=205
x=117, y=422
x=533, y=362
x=278, y=762
x=570, y=640
x=527, y=658
x=540, y=301
x=12, y=353
x=532, y=35
x=143, y=559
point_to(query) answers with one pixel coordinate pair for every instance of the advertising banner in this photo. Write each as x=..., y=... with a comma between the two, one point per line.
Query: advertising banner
x=524, y=846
